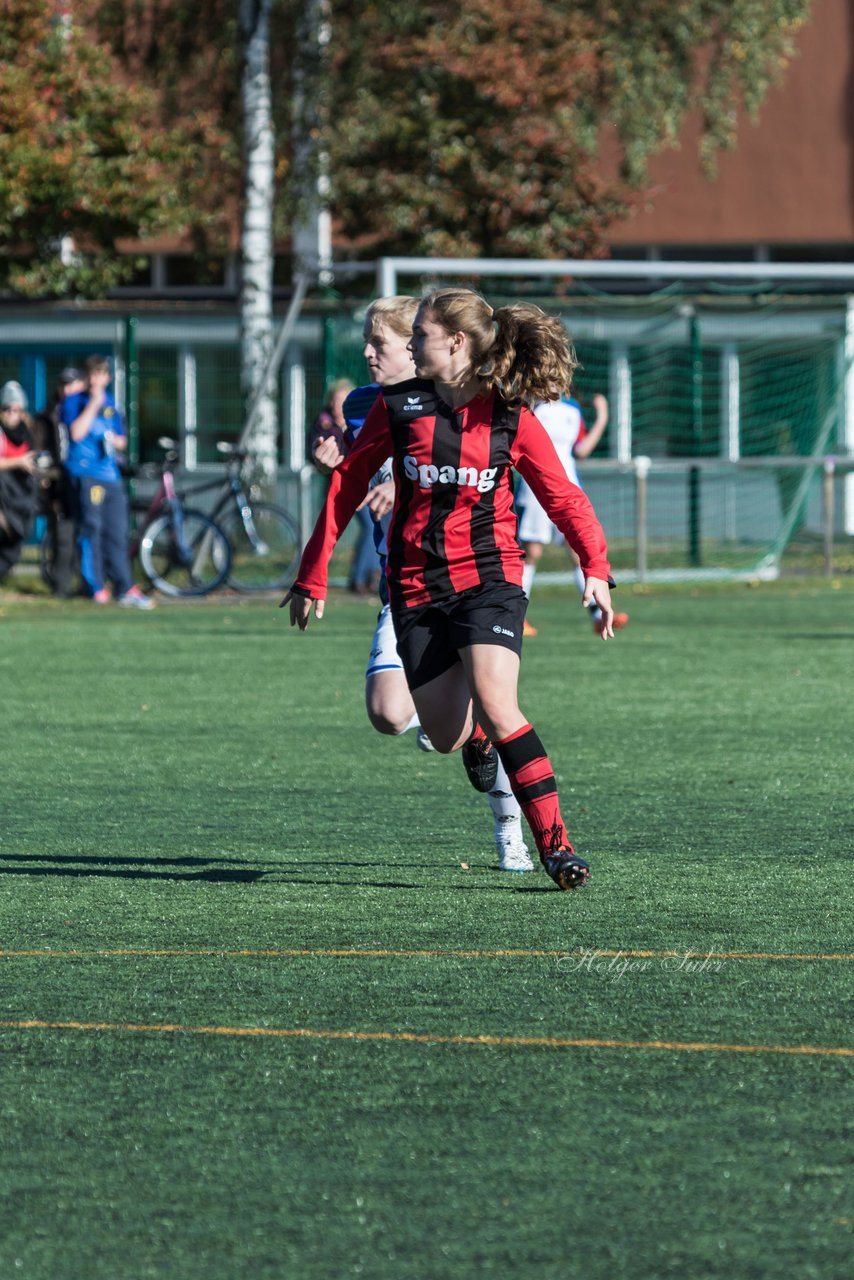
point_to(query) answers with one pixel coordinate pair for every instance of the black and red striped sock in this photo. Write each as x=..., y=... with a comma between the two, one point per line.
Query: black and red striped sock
x=478, y=735
x=532, y=779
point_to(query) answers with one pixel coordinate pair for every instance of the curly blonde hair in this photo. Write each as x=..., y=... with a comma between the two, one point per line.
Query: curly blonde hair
x=519, y=351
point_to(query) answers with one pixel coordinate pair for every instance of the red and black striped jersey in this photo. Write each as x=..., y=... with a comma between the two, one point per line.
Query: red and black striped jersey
x=453, y=526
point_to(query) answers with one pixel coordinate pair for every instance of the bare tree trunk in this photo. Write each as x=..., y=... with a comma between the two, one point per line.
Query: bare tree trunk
x=312, y=230
x=256, y=291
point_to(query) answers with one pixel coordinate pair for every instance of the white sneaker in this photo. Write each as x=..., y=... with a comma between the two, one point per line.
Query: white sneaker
x=512, y=851
x=135, y=599
x=423, y=741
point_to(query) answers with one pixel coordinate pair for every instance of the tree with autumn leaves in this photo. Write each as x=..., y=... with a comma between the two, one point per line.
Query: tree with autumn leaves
x=84, y=157
x=478, y=128
x=449, y=128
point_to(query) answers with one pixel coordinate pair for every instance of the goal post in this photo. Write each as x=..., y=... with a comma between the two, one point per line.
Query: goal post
x=736, y=380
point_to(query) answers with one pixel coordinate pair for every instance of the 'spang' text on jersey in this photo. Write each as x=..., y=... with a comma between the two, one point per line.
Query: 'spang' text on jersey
x=427, y=475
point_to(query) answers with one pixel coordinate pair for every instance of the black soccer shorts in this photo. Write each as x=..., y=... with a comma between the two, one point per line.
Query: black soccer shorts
x=430, y=636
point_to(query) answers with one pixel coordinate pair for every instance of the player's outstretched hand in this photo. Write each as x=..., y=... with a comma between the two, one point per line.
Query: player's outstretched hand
x=301, y=609
x=597, y=589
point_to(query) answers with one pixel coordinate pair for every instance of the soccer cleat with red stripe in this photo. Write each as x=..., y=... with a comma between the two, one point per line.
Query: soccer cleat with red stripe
x=566, y=869
x=481, y=764
x=528, y=630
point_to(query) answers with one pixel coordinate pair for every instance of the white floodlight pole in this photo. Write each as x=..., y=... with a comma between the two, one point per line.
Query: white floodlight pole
x=848, y=423
x=386, y=278
x=620, y=395
x=730, y=444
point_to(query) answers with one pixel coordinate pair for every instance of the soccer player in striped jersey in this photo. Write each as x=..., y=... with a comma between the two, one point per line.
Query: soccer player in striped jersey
x=454, y=566
x=388, y=701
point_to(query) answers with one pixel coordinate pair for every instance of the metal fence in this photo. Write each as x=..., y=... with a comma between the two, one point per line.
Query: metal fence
x=697, y=519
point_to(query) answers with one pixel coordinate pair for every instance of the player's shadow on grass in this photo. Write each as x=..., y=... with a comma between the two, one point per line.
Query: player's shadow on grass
x=140, y=868
x=125, y=868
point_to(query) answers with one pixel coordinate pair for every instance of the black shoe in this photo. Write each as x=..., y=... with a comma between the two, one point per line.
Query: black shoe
x=481, y=764
x=566, y=869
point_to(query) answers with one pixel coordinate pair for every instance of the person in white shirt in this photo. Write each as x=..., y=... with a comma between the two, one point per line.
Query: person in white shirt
x=565, y=424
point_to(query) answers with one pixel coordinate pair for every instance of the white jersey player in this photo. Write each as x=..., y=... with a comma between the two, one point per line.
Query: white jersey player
x=565, y=424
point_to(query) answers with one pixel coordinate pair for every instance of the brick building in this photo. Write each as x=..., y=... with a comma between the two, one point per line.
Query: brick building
x=786, y=193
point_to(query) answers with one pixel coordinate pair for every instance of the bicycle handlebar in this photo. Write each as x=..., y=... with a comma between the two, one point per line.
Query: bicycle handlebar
x=234, y=451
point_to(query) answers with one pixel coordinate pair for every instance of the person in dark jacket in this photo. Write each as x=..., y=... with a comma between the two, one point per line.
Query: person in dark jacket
x=56, y=500
x=18, y=472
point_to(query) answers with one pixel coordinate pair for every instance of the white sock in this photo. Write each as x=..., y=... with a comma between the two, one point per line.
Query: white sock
x=502, y=802
x=414, y=723
x=528, y=573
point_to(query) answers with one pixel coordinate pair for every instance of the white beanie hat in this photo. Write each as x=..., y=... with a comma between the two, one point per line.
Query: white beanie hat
x=13, y=393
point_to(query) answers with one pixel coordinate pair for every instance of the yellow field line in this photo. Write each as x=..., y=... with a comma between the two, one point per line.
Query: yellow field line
x=380, y=953
x=411, y=1037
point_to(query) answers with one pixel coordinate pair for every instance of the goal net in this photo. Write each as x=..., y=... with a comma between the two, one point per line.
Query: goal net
x=736, y=398
x=736, y=404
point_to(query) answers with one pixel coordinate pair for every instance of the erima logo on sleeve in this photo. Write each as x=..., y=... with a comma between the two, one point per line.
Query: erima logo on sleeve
x=464, y=477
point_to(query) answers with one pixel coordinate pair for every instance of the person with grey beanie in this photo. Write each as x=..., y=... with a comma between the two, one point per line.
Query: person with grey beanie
x=18, y=475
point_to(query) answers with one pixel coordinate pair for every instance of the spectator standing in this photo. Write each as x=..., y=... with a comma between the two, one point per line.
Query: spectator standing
x=56, y=498
x=18, y=470
x=331, y=421
x=96, y=435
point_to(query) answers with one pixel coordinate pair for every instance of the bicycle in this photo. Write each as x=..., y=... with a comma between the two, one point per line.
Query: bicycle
x=265, y=539
x=250, y=546
x=183, y=552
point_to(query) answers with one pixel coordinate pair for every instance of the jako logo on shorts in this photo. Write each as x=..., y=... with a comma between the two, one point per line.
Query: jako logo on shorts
x=465, y=477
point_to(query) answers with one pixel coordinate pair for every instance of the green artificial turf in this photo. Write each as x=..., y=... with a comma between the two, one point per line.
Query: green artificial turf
x=202, y=837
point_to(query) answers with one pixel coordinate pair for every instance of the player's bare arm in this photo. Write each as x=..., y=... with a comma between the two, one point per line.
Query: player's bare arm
x=585, y=447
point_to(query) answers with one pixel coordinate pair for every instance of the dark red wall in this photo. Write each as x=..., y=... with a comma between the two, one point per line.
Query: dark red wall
x=791, y=179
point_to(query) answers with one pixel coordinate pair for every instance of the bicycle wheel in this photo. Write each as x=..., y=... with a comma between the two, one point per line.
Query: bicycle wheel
x=191, y=563
x=270, y=563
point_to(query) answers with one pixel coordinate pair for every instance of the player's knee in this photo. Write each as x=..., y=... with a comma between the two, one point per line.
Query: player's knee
x=385, y=722
x=388, y=712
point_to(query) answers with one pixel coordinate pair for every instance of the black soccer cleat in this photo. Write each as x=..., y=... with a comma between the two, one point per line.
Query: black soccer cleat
x=566, y=869
x=481, y=764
